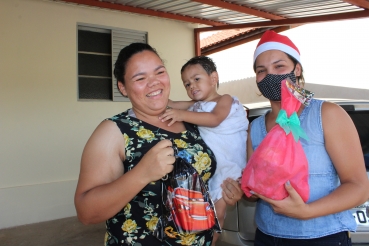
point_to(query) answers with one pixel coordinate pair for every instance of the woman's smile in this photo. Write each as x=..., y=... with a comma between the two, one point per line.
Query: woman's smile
x=154, y=93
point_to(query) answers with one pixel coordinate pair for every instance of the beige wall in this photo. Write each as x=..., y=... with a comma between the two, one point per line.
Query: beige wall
x=43, y=128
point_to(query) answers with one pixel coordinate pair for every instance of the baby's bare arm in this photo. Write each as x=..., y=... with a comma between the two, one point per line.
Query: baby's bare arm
x=209, y=119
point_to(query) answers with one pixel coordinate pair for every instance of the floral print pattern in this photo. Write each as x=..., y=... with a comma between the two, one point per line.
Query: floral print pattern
x=134, y=224
x=203, y=162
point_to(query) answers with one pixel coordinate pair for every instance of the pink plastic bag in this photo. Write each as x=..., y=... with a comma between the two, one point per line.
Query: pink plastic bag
x=279, y=157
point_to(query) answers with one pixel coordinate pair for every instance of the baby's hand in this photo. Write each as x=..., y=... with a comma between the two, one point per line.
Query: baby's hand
x=171, y=114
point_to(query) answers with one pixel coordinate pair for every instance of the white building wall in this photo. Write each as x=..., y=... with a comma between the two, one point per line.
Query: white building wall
x=43, y=127
x=247, y=91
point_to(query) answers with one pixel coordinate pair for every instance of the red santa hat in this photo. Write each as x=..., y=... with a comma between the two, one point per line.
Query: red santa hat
x=274, y=41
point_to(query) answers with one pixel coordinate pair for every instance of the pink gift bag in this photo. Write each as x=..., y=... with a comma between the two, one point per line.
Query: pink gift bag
x=279, y=157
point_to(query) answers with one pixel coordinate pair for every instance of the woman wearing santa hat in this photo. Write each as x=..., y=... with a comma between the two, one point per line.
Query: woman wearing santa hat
x=337, y=176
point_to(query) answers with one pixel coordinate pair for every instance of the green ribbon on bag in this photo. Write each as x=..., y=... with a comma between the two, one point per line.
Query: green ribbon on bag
x=291, y=124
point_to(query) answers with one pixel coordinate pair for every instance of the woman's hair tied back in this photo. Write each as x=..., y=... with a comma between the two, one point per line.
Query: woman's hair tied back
x=125, y=54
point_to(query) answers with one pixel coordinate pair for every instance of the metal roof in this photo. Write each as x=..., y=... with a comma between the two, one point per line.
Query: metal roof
x=205, y=9
x=252, y=16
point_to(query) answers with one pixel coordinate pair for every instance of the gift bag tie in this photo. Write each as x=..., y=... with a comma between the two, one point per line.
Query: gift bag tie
x=291, y=124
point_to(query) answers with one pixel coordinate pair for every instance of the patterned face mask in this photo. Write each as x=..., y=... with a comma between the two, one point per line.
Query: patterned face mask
x=270, y=86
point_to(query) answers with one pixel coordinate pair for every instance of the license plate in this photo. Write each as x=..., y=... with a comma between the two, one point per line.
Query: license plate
x=361, y=214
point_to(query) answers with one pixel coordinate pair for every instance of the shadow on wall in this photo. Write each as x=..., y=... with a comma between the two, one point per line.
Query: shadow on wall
x=247, y=91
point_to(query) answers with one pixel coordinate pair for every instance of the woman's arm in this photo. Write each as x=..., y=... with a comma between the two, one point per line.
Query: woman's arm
x=343, y=146
x=103, y=188
x=211, y=119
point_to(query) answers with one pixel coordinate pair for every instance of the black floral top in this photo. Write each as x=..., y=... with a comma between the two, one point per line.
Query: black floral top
x=134, y=224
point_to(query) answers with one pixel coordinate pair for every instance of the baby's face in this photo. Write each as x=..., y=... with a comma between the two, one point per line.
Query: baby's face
x=198, y=84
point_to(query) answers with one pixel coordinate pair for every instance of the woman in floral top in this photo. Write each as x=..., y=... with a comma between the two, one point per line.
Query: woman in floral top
x=128, y=197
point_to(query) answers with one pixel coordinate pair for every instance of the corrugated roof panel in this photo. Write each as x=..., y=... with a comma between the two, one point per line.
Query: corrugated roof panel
x=272, y=5
x=151, y=4
x=285, y=8
x=120, y=1
x=217, y=14
x=192, y=9
x=214, y=14
x=133, y=3
x=240, y=20
x=312, y=7
x=175, y=6
x=299, y=8
x=231, y=20
x=319, y=11
x=310, y=14
x=142, y=3
x=158, y=4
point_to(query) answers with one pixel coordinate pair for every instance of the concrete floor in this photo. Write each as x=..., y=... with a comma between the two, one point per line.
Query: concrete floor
x=61, y=232
x=67, y=231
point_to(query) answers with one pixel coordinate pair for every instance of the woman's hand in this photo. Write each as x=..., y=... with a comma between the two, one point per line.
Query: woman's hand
x=292, y=206
x=231, y=191
x=158, y=161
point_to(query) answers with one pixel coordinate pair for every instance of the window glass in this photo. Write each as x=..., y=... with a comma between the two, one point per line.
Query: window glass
x=96, y=88
x=361, y=121
x=94, y=63
x=94, y=41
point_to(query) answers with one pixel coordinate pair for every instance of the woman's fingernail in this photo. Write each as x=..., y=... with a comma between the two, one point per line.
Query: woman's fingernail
x=252, y=192
x=288, y=182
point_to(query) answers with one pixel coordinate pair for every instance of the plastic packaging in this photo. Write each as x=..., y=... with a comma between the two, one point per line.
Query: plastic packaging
x=187, y=202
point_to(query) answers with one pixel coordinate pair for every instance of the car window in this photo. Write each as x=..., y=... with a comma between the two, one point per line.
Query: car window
x=361, y=121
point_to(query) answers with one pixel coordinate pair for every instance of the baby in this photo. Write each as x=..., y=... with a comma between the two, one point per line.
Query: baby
x=222, y=124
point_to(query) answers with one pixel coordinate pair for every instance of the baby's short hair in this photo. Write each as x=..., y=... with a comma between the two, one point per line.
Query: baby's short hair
x=206, y=62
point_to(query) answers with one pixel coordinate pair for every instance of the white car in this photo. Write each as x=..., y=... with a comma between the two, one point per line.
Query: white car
x=239, y=225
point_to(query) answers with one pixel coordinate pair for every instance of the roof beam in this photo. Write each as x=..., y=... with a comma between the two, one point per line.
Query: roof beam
x=360, y=3
x=161, y=14
x=197, y=42
x=240, y=8
x=292, y=21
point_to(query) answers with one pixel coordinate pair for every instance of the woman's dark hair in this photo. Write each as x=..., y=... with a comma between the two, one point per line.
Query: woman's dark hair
x=125, y=54
x=300, y=79
x=206, y=62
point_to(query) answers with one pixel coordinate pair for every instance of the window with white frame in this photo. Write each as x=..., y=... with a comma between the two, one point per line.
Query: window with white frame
x=98, y=49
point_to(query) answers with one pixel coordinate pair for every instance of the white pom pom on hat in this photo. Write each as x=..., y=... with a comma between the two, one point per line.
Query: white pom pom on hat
x=274, y=41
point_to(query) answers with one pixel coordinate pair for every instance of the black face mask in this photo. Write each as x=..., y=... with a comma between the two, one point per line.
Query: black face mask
x=270, y=86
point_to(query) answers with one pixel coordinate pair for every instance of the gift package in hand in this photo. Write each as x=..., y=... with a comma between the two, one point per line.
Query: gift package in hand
x=280, y=157
x=187, y=202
